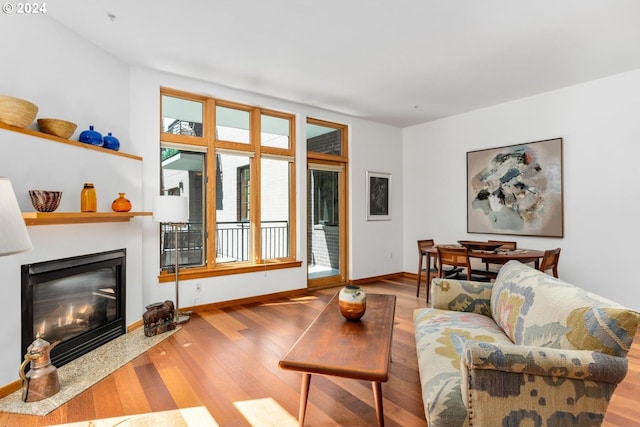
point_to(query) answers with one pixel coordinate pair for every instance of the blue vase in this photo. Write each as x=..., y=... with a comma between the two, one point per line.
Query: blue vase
x=91, y=137
x=111, y=142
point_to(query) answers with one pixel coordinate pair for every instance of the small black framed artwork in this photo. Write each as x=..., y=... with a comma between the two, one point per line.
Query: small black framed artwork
x=378, y=196
x=516, y=190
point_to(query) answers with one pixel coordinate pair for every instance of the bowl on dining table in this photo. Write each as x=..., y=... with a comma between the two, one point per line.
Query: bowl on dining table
x=480, y=246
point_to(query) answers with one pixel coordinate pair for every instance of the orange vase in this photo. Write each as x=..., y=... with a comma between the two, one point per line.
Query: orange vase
x=121, y=204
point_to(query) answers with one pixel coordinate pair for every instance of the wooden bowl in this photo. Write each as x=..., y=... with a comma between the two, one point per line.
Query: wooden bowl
x=57, y=127
x=17, y=112
x=484, y=246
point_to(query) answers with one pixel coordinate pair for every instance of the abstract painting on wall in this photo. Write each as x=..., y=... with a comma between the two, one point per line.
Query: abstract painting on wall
x=516, y=189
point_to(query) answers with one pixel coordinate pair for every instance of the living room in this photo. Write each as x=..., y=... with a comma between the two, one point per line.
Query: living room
x=69, y=77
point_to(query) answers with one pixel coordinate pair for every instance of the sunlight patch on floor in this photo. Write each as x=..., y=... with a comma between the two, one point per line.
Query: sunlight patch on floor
x=265, y=413
x=189, y=417
x=295, y=300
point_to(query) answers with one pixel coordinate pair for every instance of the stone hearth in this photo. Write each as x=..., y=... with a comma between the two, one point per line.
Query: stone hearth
x=85, y=371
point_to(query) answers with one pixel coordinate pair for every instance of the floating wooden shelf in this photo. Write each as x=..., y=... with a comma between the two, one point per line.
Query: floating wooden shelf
x=53, y=218
x=67, y=141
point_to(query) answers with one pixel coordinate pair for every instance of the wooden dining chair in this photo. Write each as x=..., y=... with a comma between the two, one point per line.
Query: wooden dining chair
x=459, y=258
x=550, y=261
x=430, y=270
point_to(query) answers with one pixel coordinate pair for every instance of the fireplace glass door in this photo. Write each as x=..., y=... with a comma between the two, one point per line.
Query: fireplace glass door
x=67, y=307
x=78, y=301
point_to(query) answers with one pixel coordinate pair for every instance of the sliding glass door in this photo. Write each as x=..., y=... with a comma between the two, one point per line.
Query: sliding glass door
x=324, y=224
x=326, y=204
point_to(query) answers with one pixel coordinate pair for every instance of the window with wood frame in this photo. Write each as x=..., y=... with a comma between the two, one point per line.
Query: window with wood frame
x=236, y=164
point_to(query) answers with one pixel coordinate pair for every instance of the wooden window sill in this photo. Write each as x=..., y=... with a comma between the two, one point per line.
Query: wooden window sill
x=198, y=273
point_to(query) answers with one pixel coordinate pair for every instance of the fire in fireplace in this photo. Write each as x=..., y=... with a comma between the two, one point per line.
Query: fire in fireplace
x=79, y=301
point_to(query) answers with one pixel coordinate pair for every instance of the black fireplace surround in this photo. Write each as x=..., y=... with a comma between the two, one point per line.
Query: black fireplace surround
x=79, y=301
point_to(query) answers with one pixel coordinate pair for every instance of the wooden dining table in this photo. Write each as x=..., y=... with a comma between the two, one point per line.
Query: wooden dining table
x=492, y=257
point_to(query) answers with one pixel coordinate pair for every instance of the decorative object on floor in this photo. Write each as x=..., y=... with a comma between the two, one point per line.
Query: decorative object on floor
x=352, y=301
x=45, y=201
x=88, y=198
x=121, y=204
x=111, y=142
x=516, y=190
x=91, y=137
x=14, y=237
x=57, y=127
x=173, y=210
x=17, y=112
x=85, y=371
x=198, y=416
x=158, y=318
x=378, y=196
x=42, y=379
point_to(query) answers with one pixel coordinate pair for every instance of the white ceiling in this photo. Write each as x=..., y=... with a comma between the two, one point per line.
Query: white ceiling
x=400, y=62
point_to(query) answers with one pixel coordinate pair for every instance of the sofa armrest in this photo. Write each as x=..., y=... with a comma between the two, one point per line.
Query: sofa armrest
x=544, y=361
x=461, y=295
x=506, y=383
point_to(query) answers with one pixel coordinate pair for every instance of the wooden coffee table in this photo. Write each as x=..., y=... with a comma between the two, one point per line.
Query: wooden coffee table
x=332, y=345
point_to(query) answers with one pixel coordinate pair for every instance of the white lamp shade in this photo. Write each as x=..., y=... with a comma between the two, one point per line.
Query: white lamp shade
x=170, y=209
x=14, y=237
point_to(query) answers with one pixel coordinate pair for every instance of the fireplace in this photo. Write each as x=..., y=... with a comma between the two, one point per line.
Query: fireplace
x=79, y=301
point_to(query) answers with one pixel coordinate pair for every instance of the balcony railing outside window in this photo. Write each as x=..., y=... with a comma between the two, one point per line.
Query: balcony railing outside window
x=232, y=242
x=190, y=242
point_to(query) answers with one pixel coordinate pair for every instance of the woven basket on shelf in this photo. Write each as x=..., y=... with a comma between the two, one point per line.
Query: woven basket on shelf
x=57, y=127
x=16, y=111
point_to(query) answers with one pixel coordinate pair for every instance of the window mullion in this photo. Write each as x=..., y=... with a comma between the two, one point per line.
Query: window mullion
x=255, y=189
x=210, y=136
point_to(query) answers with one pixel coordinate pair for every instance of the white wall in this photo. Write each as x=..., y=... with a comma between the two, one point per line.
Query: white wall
x=600, y=126
x=376, y=245
x=72, y=80
x=370, y=243
x=66, y=77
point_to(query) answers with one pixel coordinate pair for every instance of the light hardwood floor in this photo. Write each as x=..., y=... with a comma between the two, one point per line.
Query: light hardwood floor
x=227, y=360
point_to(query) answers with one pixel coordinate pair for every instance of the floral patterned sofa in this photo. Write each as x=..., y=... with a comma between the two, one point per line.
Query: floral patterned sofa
x=527, y=349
